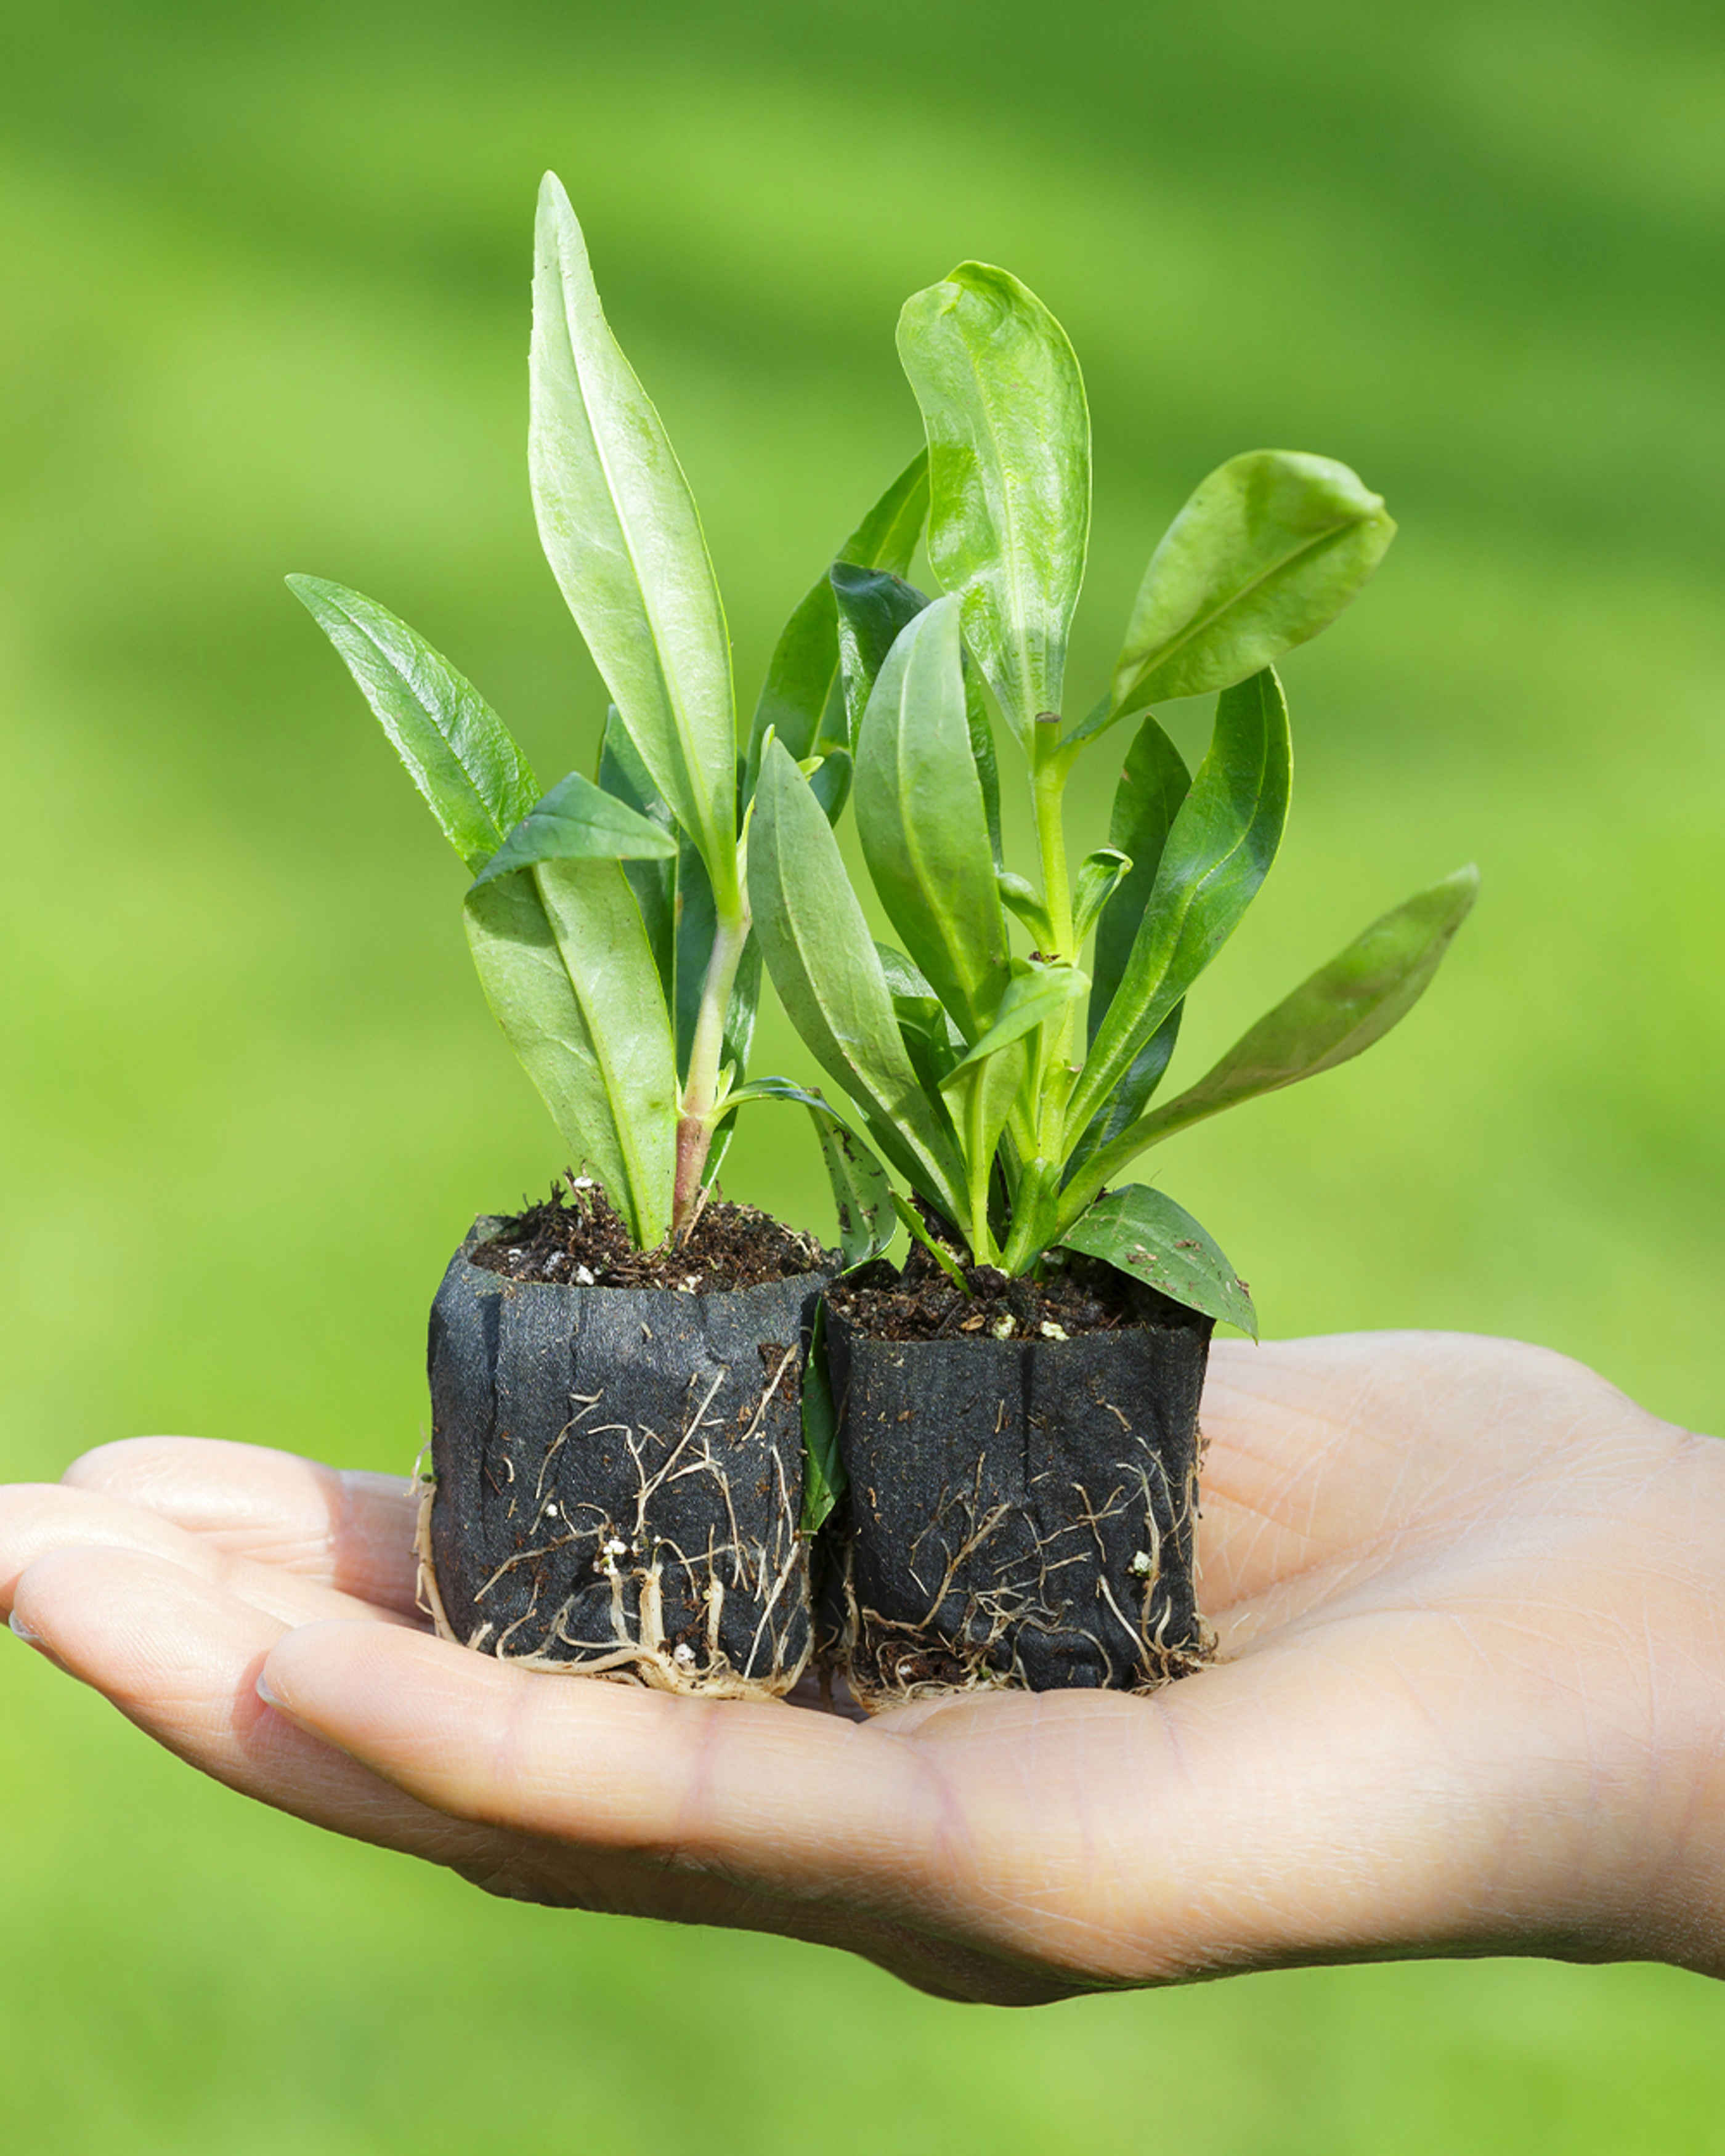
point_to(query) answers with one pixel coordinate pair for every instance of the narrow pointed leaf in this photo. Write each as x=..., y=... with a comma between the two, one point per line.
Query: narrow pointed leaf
x=862, y=1197
x=622, y=775
x=1144, y=1234
x=1216, y=856
x=825, y=1481
x=576, y=821
x=875, y=607
x=923, y=822
x=619, y=529
x=1031, y=1000
x=1099, y=875
x=1009, y=442
x=1153, y=785
x=1126, y=1103
x=1335, y=1015
x=563, y=961
x=816, y=948
x=830, y=782
x=802, y=700
x=457, y=751
x=1025, y=901
x=1268, y=551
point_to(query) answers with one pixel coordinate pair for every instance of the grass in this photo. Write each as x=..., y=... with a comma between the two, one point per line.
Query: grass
x=267, y=310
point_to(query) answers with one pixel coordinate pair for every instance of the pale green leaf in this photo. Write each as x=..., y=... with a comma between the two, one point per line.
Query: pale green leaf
x=1009, y=442
x=563, y=961
x=620, y=530
x=923, y=822
x=457, y=751
x=577, y=821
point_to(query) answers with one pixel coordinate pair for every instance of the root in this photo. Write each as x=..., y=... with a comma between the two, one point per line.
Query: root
x=639, y=1640
x=970, y=1633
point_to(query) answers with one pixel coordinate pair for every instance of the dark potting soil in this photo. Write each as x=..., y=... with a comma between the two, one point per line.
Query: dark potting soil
x=923, y=1302
x=575, y=1238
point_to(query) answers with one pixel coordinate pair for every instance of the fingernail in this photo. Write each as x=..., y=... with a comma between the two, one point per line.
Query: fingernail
x=30, y=1638
x=266, y=1692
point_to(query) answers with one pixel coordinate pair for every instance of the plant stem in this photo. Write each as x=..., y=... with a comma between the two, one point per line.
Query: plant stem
x=1049, y=791
x=700, y=1088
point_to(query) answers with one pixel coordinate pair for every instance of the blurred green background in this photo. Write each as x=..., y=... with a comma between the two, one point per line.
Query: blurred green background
x=266, y=310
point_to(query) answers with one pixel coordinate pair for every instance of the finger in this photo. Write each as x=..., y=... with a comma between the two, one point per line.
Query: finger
x=36, y=1518
x=180, y=1657
x=811, y=1825
x=351, y=1529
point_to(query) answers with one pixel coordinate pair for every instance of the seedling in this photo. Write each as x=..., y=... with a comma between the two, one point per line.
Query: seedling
x=1009, y=1087
x=609, y=918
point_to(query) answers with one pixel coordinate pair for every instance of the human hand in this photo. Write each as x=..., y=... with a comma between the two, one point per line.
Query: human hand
x=1471, y=1604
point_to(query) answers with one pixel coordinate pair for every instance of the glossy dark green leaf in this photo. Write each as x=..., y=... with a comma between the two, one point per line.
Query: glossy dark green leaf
x=1268, y=551
x=1217, y=853
x=818, y=950
x=1144, y=1234
x=576, y=821
x=696, y=926
x=563, y=961
x=1153, y=785
x=1009, y=442
x=875, y=607
x=1338, y=1013
x=1127, y=1102
x=622, y=775
x=457, y=751
x=802, y=700
x=1031, y=1000
x=830, y=780
x=923, y=823
x=825, y=1481
x=620, y=530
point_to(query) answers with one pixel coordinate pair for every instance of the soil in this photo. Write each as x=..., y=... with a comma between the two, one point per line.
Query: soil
x=575, y=1238
x=922, y=1302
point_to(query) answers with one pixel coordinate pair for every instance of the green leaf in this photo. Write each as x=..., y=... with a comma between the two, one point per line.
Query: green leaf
x=1217, y=854
x=619, y=529
x=830, y=782
x=824, y=1478
x=922, y=823
x=1335, y=1015
x=563, y=961
x=697, y=923
x=1021, y=896
x=875, y=608
x=1031, y=1000
x=1142, y=1233
x=457, y=751
x=818, y=950
x=802, y=700
x=1268, y=551
x=1153, y=785
x=577, y=822
x=862, y=1197
x=1099, y=875
x=626, y=778
x=917, y=1229
x=1009, y=443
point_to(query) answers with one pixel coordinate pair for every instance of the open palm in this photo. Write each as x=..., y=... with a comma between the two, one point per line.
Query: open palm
x=1471, y=1699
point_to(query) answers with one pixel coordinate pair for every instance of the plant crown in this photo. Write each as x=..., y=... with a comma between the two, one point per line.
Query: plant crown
x=1009, y=1088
